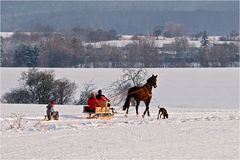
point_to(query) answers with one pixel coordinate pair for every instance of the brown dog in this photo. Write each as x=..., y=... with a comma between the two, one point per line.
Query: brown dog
x=162, y=111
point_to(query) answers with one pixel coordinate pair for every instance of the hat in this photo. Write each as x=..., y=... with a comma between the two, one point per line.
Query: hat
x=52, y=102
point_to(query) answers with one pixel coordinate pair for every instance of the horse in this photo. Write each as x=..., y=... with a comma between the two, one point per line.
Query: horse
x=141, y=93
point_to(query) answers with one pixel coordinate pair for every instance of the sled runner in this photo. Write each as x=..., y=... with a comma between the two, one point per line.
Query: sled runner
x=100, y=113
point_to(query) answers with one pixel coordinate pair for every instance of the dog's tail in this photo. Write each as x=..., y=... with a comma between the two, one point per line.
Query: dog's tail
x=159, y=106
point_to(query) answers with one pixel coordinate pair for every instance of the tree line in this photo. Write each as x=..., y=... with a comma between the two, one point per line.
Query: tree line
x=69, y=49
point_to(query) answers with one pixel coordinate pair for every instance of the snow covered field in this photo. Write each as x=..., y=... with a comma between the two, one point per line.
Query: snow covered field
x=203, y=106
x=186, y=87
x=187, y=134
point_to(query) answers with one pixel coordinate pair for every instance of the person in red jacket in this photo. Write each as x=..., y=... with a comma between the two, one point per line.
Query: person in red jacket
x=92, y=103
x=100, y=97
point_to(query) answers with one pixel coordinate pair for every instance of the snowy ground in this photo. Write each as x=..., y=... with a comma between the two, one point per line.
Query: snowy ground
x=203, y=106
x=187, y=134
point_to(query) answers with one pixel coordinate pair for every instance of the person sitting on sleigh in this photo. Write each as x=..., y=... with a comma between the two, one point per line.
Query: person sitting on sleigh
x=92, y=103
x=103, y=99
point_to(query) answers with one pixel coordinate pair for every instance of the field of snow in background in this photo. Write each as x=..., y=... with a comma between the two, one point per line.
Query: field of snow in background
x=127, y=39
x=203, y=107
x=191, y=87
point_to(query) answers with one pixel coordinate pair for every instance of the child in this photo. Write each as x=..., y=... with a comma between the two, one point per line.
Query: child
x=50, y=109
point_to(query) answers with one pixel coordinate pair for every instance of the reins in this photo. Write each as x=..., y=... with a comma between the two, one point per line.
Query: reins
x=113, y=97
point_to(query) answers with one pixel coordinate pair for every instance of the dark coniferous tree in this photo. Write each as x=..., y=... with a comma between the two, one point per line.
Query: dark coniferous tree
x=26, y=56
x=204, y=41
x=158, y=31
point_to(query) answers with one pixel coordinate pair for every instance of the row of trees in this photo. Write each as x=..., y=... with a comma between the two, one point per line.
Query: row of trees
x=62, y=50
x=220, y=55
x=86, y=34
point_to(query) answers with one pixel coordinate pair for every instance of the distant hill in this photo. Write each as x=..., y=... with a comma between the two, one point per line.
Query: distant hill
x=217, y=17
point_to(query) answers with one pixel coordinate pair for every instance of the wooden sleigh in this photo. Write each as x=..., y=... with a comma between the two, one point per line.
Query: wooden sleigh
x=100, y=112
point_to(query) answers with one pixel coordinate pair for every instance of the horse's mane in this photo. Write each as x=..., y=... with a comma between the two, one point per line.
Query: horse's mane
x=150, y=79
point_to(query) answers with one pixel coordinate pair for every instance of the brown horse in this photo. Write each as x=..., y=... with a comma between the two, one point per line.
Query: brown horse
x=141, y=93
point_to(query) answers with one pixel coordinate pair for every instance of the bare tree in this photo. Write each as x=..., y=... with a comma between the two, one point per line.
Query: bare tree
x=21, y=37
x=17, y=121
x=204, y=56
x=85, y=93
x=64, y=90
x=133, y=56
x=222, y=55
x=173, y=29
x=130, y=77
x=181, y=45
x=148, y=53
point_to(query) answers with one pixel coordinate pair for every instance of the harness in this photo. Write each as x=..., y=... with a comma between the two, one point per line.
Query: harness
x=144, y=87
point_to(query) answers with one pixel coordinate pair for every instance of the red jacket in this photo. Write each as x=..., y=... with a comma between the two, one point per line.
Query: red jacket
x=103, y=99
x=93, y=102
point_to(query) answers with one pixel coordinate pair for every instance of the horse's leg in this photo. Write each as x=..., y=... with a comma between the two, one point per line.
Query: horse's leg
x=148, y=112
x=147, y=107
x=138, y=102
x=127, y=112
x=145, y=111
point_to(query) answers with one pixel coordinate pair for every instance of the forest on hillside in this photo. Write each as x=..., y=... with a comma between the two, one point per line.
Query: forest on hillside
x=76, y=48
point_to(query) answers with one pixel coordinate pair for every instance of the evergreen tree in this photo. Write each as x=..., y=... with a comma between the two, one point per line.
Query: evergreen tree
x=26, y=56
x=204, y=41
x=158, y=31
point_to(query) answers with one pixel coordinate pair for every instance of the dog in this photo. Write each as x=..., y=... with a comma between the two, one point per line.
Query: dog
x=162, y=111
x=54, y=116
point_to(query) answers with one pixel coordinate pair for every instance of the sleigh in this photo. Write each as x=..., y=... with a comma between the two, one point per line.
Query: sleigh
x=100, y=112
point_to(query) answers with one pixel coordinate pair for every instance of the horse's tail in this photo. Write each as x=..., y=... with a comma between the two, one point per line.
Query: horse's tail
x=127, y=102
